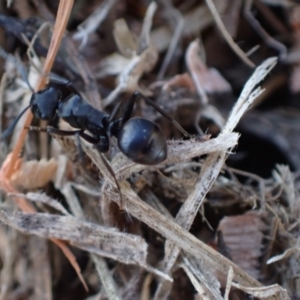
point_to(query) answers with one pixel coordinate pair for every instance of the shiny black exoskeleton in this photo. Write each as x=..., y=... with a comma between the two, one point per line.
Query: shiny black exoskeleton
x=139, y=139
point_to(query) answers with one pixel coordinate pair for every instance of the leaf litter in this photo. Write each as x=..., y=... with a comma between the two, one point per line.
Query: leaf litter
x=188, y=227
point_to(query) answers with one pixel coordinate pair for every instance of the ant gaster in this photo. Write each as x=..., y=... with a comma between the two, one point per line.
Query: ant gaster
x=139, y=139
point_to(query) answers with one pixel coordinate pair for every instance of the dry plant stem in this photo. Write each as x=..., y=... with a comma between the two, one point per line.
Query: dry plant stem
x=100, y=263
x=195, y=21
x=194, y=48
x=230, y=277
x=178, y=19
x=182, y=238
x=274, y=291
x=211, y=168
x=177, y=152
x=93, y=22
x=204, y=282
x=42, y=198
x=2, y=85
x=62, y=18
x=9, y=240
x=270, y=41
x=169, y=229
x=41, y=268
x=199, y=274
x=67, y=252
x=106, y=278
x=144, y=39
x=105, y=241
x=227, y=36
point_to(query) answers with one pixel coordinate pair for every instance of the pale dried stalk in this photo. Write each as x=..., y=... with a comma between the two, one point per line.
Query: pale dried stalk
x=194, y=22
x=169, y=229
x=181, y=237
x=274, y=292
x=102, y=269
x=204, y=282
x=109, y=284
x=42, y=198
x=41, y=270
x=230, y=277
x=179, y=23
x=9, y=251
x=144, y=40
x=108, y=242
x=93, y=22
x=212, y=166
x=197, y=271
x=191, y=52
x=226, y=34
x=141, y=59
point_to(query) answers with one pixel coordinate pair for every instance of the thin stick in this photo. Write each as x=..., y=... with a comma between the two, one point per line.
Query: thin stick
x=226, y=34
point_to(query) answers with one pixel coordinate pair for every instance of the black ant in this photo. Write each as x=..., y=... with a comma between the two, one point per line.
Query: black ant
x=139, y=139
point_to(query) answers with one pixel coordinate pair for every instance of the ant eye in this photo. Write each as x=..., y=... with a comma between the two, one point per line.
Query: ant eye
x=103, y=144
x=36, y=112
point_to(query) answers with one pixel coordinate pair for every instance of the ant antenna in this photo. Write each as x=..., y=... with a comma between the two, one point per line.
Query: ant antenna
x=6, y=133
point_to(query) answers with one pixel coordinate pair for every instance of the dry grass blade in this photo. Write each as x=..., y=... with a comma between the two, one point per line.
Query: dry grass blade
x=93, y=22
x=274, y=291
x=194, y=21
x=226, y=34
x=180, y=237
x=108, y=242
x=42, y=198
x=109, y=284
x=172, y=231
x=204, y=282
x=41, y=268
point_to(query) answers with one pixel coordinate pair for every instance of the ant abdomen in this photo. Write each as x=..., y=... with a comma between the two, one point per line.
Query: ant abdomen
x=142, y=141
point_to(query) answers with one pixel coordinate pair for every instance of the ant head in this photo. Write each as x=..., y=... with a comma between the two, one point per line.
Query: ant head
x=45, y=103
x=142, y=141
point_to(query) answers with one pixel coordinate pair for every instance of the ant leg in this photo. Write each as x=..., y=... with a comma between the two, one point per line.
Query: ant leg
x=77, y=134
x=61, y=83
x=114, y=112
x=129, y=109
x=112, y=173
x=60, y=132
x=89, y=139
x=92, y=140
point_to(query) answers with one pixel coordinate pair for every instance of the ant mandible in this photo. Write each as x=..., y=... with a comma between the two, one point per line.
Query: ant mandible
x=139, y=139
